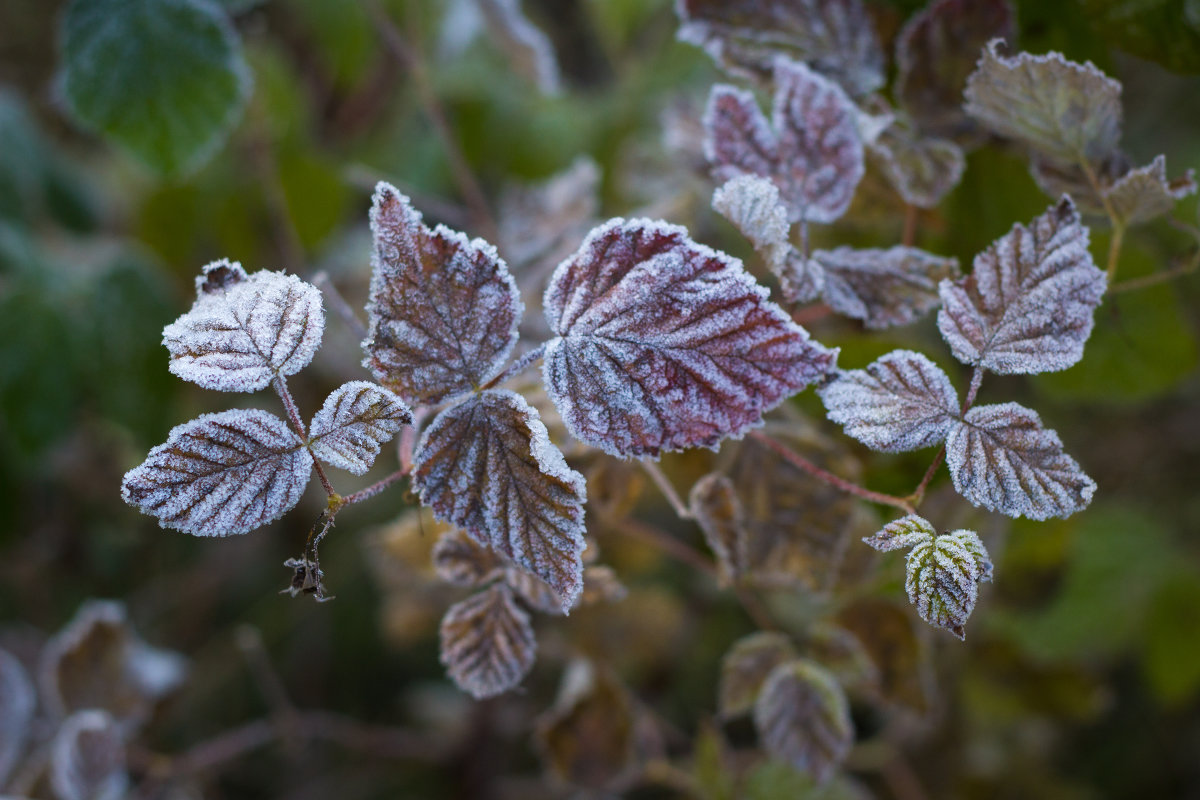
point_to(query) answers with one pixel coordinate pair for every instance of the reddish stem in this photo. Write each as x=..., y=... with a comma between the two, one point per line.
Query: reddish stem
x=375, y=488
x=281, y=388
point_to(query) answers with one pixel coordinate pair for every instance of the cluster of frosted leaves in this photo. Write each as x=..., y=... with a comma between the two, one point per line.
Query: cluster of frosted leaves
x=245, y=330
x=87, y=760
x=999, y=456
x=17, y=706
x=664, y=344
x=811, y=149
x=834, y=37
x=1027, y=306
x=527, y=48
x=443, y=310
x=487, y=466
x=354, y=423
x=943, y=572
x=487, y=642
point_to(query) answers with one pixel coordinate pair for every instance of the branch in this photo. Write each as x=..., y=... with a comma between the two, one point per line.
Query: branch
x=665, y=486
x=281, y=388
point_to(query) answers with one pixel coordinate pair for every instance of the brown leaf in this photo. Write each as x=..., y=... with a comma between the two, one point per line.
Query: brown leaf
x=487, y=642
x=745, y=668
x=718, y=511
x=803, y=718
x=587, y=737
x=887, y=632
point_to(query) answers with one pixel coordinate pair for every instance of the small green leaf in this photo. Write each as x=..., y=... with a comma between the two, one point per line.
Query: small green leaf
x=164, y=79
x=944, y=576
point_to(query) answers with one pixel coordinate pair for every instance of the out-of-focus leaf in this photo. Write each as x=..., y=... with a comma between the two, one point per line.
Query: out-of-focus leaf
x=719, y=513
x=898, y=534
x=883, y=288
x=1027, y=306
x=535, y=592
x=664, y=344
x=354, y=422
x=713, y=775
x=1001, y=458
x=443, y=310
x=1071, y=179
x=460, y=560
x=601, y=585
x=165, y=79
x=487, y=465
x=943, y=576
x=835, y=37
x=587, y=737
x=88, y=758
x=811, y=150
x=221, y=474
x=888, y=634
x=901, y=402
x=1163, y=31
x=1063, y=110
x=245, y=330
x=772, y=780
x=528, y=49
x=745, y=668
x=17, y=704
x=803, y=718
x=487, y=642
x=1145, y=193
x=544, y=222
x=753, y=205
x=937, y=50
x=920, y=167
x=1171, y=638
x=613, y=487
x=840, y=652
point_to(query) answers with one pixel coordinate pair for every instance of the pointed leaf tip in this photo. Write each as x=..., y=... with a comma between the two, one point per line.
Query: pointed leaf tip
x=942, y=578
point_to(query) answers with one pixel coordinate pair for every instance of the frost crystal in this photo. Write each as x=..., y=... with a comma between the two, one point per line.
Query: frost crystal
x=1001, y=458
x=901, y=533
x=752, y=204
x=1027, y=306
x=88, y=758
x=354, y=422
x=443, y=310
x=746, y=666
x=811, y=150
x=883, y=288
x=244, y=330
x=487, y=642
x=803, y=718
x=221, y=474
x=664, y=344
x=487, y=465
x=942, y=578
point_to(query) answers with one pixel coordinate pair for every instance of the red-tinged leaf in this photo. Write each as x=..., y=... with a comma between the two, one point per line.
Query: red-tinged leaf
x=753, y=205
x=1145, y=193
x=721, y=518
x=883, y=288
x=943, y=577
x=87, y=760
x=745, y=668
x=487, y=466
x=1001, y=458
x=921, y=168
x=901, y=402
x=746, y=36
x=1027, y=307
x=354, y=422
x=811, y=151
x=221, y=474
x=901, y=533
x=443, y=310
x=487, y=642
x=936, y=52
x=17, y=704
x=664, y=344
x=803, y=718
x=460, y=560
x=1062, y=110
x=245, y=330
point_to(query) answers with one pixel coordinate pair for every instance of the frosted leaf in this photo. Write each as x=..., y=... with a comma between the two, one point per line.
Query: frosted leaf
x=745, y=668
x=17, y=704
x=443, y=310
x=883, y=288
x=1057, y=179
x=221, y=474
x=803, y=718
x=87, y=759
x=936, y=51
x=588, y=737
x=528, y=49
x=1145, y=193
x=835, y=37
x=460, y=560
x=665, y=344
x=1063, y=110
x=601, y=585
x=1027, y=306
x=487, y=465
x=98, y=661
x=244, y=330
x=901, y=402
x=535, y=592
x=898, y=534
x=719, y=513
x=921, y=168
x=1001, y=458
x=801, y=279
x=752, y=204
x=738, y=140
x=487, y=642
x=354, y=422
x=943, y=577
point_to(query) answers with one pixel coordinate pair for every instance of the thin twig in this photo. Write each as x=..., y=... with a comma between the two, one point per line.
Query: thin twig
x=374, y=488
x=665, y=486
x=668, y=544
x=281, y=388
x=1133, y=284
x=527, y=360
x=919, y=493
x=1118, y=225
x=340, y=307
x=1114, y=250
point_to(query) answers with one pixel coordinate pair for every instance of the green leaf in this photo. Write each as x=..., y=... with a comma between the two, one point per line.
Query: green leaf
x=164, y=79
x=1171, y=650
x=1164, y=31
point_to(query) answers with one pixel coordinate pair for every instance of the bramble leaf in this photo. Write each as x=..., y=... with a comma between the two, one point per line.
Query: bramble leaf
x=752, y=204
x=664, y=344
x=443, y=310
x=900, y=533
x=221, y=474
x=835, y=37
x=1145, y=193
x=920, y=167
x=354, y=422
x=1027, y=306
x=487, y=642
x=587, y=737
x=803, y=718
x=87, y=759
x=1001, y=458
x=811, y=151
x=487, y=465
x=901, y=402
x=460, y=560
x=17, y=704
x=943, y=577
x=719, y=513
x=1063, y=110
x=745, y=668
x=883, y=287
x=800, y=279
x=245, y=330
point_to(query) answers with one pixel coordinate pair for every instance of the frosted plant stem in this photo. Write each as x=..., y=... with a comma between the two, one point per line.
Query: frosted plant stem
x=517, y=367
x=375, y=488
x=797, y=460
x=919, y=493
x=664, y=485
x=339, y=305
x=293, y=413
x=973, y=390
